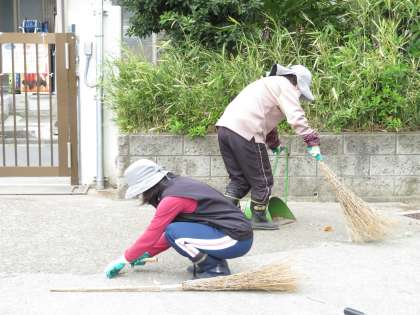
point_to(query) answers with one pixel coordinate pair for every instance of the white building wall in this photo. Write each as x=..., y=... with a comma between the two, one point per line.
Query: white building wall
x=112, y=47
x=82, y=14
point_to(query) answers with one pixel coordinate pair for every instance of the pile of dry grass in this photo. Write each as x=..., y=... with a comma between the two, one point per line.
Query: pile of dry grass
x=363, y=222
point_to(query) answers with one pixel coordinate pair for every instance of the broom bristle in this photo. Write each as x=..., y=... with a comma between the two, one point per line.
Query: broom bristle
x=363, y=222
x=273, y=277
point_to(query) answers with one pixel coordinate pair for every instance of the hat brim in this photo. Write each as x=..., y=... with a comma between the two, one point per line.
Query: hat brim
x=303, y=88
x=306, y=93
x=139, y=188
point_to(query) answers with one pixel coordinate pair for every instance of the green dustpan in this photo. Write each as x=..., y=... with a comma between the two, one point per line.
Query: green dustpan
x=277, y=208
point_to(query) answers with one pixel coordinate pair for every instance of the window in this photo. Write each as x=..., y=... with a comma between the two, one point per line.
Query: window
x=6, y=16
x=13, y=12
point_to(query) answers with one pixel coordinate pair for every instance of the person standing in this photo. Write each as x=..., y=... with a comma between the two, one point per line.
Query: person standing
x=249, y=123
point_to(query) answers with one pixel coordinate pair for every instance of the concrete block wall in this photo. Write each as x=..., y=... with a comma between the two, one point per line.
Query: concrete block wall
x=377, y=166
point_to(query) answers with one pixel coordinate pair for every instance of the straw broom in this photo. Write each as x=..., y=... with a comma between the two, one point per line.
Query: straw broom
x=272, y=277
x=363, y=222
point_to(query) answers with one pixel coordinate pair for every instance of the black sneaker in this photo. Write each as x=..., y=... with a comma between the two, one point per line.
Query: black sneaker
x=210, y=267
x=216, y=271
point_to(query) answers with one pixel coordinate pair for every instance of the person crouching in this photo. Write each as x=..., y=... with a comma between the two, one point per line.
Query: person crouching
x=192, y=217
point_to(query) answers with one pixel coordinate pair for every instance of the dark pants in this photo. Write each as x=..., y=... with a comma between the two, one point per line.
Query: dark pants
x=248, y=166
x=191, y=239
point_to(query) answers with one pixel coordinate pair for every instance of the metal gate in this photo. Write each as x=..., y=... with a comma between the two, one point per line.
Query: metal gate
x=38, y=98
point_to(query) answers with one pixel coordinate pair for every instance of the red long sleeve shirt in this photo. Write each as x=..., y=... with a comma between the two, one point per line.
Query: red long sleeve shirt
x=153, y=239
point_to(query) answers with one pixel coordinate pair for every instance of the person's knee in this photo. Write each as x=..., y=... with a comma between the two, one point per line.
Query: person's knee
x=170, y=232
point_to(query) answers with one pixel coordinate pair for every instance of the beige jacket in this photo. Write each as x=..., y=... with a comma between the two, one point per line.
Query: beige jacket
x=255, y=111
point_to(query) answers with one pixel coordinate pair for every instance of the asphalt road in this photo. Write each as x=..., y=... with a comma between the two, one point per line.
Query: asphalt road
x=66, y=241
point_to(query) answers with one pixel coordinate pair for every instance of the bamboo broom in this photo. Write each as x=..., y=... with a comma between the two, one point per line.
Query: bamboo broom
x=272, y=277
x=363, y=222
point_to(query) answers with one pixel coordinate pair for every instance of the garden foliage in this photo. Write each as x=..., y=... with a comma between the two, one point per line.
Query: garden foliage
x=214, y=23
x=365, y=77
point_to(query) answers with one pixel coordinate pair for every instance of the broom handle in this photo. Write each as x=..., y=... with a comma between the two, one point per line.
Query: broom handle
x=150, y=260
x=146, y=261
x=136, y=289
x=146, y=288
x=286, y=175
x=276, y=163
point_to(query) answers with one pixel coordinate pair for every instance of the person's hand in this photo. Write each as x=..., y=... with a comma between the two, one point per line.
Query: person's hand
x=115, y=267
x=275, y=150
x=315, y=152
x=278, y=150
x=140, y=261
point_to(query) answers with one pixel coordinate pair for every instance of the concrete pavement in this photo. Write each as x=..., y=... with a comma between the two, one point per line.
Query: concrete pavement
x=66, y=241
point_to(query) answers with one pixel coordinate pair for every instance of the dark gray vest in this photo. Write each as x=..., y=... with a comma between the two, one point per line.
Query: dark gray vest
x=213, y=208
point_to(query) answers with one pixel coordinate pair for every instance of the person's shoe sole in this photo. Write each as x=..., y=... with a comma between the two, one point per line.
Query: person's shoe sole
x=264, y=226
x=190, y=269
x=204, y=275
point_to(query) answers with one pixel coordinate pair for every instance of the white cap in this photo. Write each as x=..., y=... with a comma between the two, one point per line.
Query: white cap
x=141, y=176
x=303, y=76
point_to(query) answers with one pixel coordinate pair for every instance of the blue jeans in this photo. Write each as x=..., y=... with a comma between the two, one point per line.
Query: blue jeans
x=190, y=239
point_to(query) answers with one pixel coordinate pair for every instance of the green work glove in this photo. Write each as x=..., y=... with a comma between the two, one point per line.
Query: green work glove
x=278, y=150
x=315, y=152
x=139, y=261
x=115, y=267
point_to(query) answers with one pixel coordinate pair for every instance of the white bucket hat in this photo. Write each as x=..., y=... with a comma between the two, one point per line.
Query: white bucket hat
x=142, y=175
x=303, y=76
